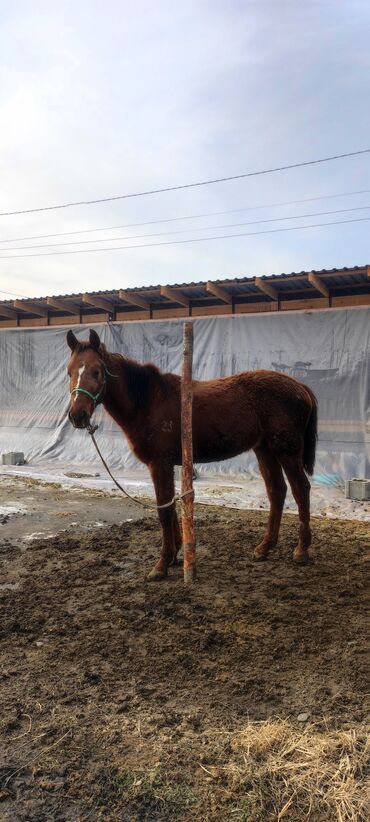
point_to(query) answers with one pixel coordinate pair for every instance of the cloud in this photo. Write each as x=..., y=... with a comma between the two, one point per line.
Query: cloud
x=99, y=99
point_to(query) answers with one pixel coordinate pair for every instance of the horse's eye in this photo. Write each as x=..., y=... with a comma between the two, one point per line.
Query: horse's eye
x=95, y=374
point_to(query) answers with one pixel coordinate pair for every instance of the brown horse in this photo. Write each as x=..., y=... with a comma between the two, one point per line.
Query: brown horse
x=271, y=413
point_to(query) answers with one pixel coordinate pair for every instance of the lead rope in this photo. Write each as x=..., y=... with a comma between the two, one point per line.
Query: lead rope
x=177, y=497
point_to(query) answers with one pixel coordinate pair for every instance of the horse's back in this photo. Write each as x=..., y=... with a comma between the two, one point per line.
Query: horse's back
x=255, y=386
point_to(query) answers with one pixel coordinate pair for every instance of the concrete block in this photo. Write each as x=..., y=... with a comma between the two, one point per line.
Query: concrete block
x=358, y=489
x=13, y=458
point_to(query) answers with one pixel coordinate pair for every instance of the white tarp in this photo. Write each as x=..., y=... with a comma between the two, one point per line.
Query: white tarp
x=328, y=350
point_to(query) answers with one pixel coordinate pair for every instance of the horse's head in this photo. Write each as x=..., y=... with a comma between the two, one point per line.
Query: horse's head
x=87, y=378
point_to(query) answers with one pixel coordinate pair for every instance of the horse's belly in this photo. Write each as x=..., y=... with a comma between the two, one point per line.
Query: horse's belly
x=224, y=447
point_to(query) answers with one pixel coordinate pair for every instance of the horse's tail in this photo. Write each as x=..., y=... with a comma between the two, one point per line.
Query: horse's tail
x=310, y=436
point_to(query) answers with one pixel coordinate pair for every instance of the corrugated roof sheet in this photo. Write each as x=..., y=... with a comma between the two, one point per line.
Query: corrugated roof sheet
x=242, y=289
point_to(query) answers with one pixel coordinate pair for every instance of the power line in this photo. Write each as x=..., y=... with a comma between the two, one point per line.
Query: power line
x=185, y=217
x=182, y=242
x=14, y=294
x=187, y=230
x=187, y=185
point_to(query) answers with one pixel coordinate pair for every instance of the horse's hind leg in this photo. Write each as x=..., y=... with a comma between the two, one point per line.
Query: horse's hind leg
x=276, y=490
x=300, y=486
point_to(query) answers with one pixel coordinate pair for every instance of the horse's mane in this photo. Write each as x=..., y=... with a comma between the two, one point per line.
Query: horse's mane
x=140, y=379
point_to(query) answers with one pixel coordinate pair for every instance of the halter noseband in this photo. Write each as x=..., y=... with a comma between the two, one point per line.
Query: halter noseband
x=93, y=397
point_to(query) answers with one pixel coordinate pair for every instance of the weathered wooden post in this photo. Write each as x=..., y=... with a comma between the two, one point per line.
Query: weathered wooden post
x=187, y=517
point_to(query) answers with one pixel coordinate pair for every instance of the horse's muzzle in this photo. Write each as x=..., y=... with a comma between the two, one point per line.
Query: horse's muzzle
x=79, y=418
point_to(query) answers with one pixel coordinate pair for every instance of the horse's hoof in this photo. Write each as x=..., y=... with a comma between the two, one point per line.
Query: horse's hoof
x=302, y=559
x=157, y=574
x=259, y=557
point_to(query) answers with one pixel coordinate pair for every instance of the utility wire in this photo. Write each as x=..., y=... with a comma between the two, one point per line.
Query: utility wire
x=182, y=242
x=187, y=230
x=187, y=185
x=14, y=294
x=185, y=217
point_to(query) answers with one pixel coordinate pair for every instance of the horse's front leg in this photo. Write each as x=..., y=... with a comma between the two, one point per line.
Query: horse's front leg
x=176, y=536
x=164, y=485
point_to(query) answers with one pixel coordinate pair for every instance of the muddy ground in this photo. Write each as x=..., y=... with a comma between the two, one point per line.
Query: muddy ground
x=31, y=509
x=118, y=696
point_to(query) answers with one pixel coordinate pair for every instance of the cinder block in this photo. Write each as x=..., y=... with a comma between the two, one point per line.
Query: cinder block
x=13, y=458
x=358, y=489
x=178, y=473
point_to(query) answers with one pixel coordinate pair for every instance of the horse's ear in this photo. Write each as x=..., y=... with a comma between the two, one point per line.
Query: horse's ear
x=94, y=340
x=71, y=340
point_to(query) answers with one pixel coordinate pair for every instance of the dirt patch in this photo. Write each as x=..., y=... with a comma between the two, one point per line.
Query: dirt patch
x=31, y=509
x=128, y=700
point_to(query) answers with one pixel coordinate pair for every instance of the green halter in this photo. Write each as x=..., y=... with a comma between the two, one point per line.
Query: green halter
x=93, y=397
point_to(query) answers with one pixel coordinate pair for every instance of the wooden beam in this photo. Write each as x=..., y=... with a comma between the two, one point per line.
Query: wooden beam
x=175, y=295
x=266, y=288
x=30, y=307
x=98, y=302
x=62, y=305
x=9, y=313
x=187, y=493
x=351, y=300
x=219, y=292
x=134, y=299
x=318, y=284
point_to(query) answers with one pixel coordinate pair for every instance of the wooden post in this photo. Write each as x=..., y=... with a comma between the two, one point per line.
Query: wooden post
x=187, y=517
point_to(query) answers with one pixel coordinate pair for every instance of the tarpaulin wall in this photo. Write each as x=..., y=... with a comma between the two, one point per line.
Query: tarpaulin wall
x=328, y=350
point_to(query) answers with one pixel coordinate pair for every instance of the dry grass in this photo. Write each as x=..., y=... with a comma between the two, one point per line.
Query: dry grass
x=288, y=773
x=269, y=771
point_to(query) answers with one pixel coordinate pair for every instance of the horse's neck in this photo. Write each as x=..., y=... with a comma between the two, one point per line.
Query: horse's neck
x=116, y=401
x=120, y=401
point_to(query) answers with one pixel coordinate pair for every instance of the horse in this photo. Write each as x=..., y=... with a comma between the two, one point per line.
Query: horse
x=269, y=412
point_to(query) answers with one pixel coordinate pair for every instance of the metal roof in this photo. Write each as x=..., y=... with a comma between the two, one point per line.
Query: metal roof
x=298, y=286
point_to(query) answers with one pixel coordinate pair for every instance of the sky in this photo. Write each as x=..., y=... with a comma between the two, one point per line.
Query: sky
x=101, y=99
